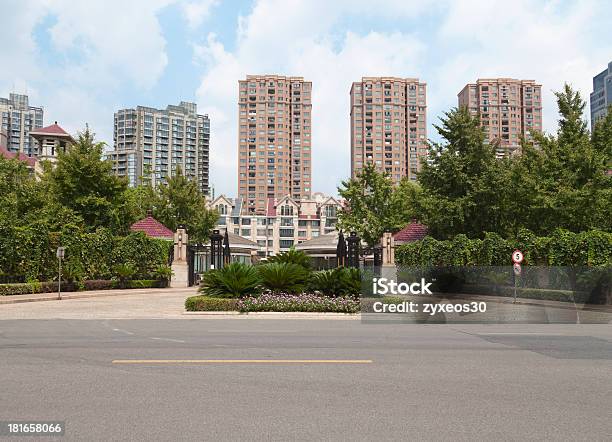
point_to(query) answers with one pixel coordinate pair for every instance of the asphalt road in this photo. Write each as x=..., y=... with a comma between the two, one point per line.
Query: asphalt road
x=424, y=382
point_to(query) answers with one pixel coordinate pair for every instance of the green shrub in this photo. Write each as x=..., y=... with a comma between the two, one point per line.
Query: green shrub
x=340, y=281
x=305, y=302
x=206, y=303
x=232, y=281
x=562, y=248
x=163, y=273
x=283, y=277
x=292, y=256
x=142, y=284
x=124, y=272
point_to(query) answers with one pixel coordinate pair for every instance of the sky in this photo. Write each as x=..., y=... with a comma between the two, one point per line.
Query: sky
x=83, y=60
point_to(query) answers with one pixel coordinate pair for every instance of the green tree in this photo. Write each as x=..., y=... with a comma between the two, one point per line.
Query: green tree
x=463, y=182
x=179, y=202
x=369, y=208
x=561, y=181
x=83, y=182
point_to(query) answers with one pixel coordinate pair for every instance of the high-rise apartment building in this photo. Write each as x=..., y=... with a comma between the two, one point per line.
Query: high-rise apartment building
x=274, y=142
x=150, y=144
x=508, y=110
x=18, y=120
x=601, y=97
x=389, y=125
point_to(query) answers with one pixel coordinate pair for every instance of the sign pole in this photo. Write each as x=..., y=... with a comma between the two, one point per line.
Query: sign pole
x=517, y=258
x=514, y=288
x=59, y=280
x=60, y=255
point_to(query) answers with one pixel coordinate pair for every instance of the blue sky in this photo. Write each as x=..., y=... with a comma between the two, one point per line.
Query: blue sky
x=82, y=60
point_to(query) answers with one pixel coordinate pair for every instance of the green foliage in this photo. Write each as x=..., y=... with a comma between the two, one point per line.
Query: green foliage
x=305, y=302
x=208, y=304
x=563, y=248
x=163, y=272
x=292, y=256
x=369, y=208
x=125, y=271
x=341, y=281
x=84, y=183
x=180, y=202
x=51, y=287
x=283, y=277
x=557, y=181
x=232, y=281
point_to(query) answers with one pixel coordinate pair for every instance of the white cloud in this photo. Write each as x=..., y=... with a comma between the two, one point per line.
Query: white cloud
x=550, y=42
x=294, y=38
x=99, y=46
x=197, y=11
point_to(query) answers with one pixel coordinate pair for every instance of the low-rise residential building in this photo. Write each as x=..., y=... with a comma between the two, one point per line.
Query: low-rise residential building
x=287, y=222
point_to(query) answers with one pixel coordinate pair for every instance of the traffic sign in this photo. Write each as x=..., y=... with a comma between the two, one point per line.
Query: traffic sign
x=60, y=253
x=517, y=269
x=517, y=257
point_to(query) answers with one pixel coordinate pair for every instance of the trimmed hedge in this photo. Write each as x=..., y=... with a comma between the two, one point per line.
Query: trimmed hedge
x=29, y=253
x=305, y=302
x=562, y=248
x=51, y=287
x=206, y=304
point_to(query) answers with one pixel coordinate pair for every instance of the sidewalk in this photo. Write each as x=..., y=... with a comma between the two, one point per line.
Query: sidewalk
x=36, y=297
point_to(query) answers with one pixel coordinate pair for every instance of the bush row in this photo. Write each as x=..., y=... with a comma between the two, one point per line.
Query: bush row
x=275, y=302
x=562, y=248
x=51, y=287
x=208, y=304
x=29, y=252
x=238, y=280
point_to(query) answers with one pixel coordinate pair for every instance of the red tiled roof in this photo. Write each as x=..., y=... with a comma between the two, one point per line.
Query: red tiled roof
x=20, y=156
x=54, y=129
x=412, y=232
x=152, y=228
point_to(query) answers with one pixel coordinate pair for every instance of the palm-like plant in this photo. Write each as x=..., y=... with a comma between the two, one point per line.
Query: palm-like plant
x=283, y=277
x=232, y=281
x=124, y=272
x=163, y=273
x=340, y=281
x=292, y=256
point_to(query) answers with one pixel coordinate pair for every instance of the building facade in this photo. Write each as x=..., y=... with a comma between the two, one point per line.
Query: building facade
x=601, y=97
x=285, y=223
x=18, y=120
x=274, y=142
x=508, y=109
x=150, y=144
x=389, y=125
x=50, y=141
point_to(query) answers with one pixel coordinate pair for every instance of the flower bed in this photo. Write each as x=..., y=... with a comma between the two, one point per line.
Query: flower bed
x=305, y=302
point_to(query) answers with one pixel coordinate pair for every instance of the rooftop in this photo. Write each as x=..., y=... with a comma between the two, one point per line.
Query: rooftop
x=152, y=228
x=414, y=231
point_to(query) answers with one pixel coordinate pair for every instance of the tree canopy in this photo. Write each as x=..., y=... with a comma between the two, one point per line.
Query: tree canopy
x=555, y=181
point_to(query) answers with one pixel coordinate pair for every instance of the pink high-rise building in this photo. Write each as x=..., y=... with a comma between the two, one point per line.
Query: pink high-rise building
x=274, y=143
x=508, y=110
x=388, y=125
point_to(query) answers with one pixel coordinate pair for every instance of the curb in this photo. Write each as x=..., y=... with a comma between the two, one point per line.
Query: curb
x=18, y=299
x=278, y=315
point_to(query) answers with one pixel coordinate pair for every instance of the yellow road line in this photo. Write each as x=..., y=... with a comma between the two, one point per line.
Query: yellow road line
x=242, y=361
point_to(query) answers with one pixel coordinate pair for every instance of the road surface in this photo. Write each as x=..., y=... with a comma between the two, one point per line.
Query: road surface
x=119, y=379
